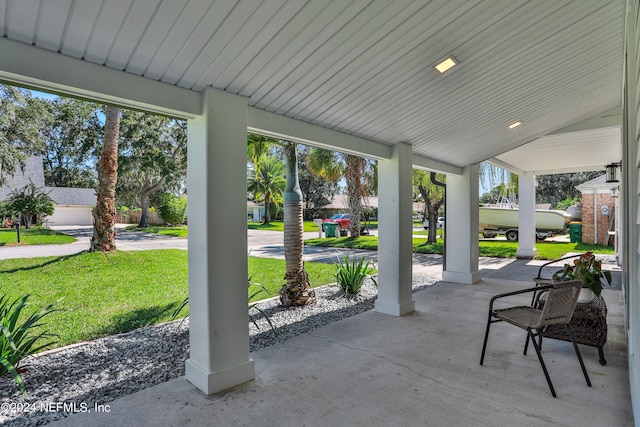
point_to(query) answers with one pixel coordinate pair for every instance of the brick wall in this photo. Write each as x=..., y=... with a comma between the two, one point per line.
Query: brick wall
x=588, y=231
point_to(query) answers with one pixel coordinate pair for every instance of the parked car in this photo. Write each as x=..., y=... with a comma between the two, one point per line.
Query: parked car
x=439, y=224
x=342, y=220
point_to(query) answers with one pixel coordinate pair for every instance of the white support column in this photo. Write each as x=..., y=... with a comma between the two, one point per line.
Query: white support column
x=395, y=254
x=461, y=227
x=218, y=323
x=526, y=215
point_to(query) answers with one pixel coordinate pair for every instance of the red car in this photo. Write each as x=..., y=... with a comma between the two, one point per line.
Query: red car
x=342, y=220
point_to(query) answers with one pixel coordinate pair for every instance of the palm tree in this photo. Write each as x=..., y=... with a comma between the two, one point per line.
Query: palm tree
x=297, y=290
x=104, y=231
x=268, y=182
x=257, y=148
x=333, y=166
x=432, y=193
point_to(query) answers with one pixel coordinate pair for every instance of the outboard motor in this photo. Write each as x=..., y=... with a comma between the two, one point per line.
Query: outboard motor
x=576, y=212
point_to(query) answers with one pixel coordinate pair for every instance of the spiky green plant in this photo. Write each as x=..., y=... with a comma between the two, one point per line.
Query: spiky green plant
x=351, y=273
x=252, y=306
x=18, y=340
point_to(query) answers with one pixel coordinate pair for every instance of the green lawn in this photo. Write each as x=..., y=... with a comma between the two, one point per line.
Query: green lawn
x=114, y=293
x=33, y=236
x=279, y=226
x=176, y=231
x=497, y=248
x=363, y=242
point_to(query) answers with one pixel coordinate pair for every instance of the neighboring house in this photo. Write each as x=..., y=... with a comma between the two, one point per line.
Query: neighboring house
x=73, y=206
x=340, y=204
x=599, y=211
x=255, y=211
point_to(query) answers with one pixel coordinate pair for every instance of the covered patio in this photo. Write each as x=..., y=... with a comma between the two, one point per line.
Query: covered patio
x=359, y=77
x=416, y=370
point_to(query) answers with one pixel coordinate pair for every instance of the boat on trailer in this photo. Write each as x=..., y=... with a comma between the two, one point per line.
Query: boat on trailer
x=496, y=220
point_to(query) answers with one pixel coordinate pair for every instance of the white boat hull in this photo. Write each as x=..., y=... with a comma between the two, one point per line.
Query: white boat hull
x=495, y=218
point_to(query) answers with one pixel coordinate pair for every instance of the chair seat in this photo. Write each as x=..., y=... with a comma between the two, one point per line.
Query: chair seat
x=521, y=316
x=558, y=308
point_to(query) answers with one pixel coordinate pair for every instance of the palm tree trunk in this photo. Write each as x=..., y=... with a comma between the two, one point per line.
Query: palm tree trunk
x=297, y=290
x=104, y=231
x=267, y=207
x=353, y=175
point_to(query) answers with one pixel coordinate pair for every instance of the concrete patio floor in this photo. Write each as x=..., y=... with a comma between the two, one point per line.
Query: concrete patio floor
x=418, y=370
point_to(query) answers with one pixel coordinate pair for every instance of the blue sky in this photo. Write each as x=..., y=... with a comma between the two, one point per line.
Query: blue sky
x=43, y=95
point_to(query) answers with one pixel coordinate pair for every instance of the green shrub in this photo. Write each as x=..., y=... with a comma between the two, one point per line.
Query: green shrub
x=172, y=208
x=350, y=274
x=564, y=205
x=18, y=340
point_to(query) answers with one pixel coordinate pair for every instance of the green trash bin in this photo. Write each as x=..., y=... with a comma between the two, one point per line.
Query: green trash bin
x=330, y=229
x=575, y=232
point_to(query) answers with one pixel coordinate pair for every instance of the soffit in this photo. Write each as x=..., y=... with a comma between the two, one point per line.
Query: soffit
x=362, y=67
x=580, y=151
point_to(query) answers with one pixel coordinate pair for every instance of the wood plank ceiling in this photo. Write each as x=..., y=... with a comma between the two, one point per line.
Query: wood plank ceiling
x=362, y=67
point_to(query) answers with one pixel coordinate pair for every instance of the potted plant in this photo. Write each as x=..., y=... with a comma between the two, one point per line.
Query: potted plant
x=588, y=269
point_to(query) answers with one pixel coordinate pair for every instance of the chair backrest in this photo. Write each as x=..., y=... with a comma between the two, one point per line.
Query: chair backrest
x=560, y=302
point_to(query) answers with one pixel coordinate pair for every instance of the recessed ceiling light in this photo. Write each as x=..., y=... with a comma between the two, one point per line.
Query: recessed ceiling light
x=514, y=125
x=446, y=64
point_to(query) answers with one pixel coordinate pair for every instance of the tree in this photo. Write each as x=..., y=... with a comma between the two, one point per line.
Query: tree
x=172, y=208
x=21, y=122
x=333, y=166
x=258, y=147
x=297, y=290
x=558, y=187
x=504, y=184
x=104, y=231
x=432, y=193
x=29, y=202
x=317, y=191
x=153, y=156
x=268, y=182
x=72, y=136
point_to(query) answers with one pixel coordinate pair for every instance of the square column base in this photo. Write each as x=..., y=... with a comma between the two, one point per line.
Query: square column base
x=464, y=278
x=395, y=309
x=525, y=253
x=213, y=382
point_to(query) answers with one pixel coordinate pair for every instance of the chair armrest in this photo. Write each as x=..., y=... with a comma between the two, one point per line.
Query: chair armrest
x=553, y=262
x=518, y=292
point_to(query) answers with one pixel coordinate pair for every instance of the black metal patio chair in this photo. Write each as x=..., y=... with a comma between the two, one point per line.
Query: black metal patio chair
x=560, y=302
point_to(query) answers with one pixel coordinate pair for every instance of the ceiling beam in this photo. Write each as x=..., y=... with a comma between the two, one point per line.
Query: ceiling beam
x=428, y=164
x=30, y=66
x=282, y=127
x=505, y=165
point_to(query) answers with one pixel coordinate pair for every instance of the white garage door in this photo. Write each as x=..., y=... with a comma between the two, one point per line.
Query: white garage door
x=70, y=215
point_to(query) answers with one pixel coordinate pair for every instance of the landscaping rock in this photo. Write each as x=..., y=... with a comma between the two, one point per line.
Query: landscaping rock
x=73, y=379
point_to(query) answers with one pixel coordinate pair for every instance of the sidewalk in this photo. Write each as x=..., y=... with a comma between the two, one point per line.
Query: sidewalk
x=125, y=241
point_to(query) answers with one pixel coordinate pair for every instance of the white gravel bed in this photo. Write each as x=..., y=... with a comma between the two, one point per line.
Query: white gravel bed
x=73, y=379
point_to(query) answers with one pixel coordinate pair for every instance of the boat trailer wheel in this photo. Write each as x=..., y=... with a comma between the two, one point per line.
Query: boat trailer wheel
x=512, y=235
